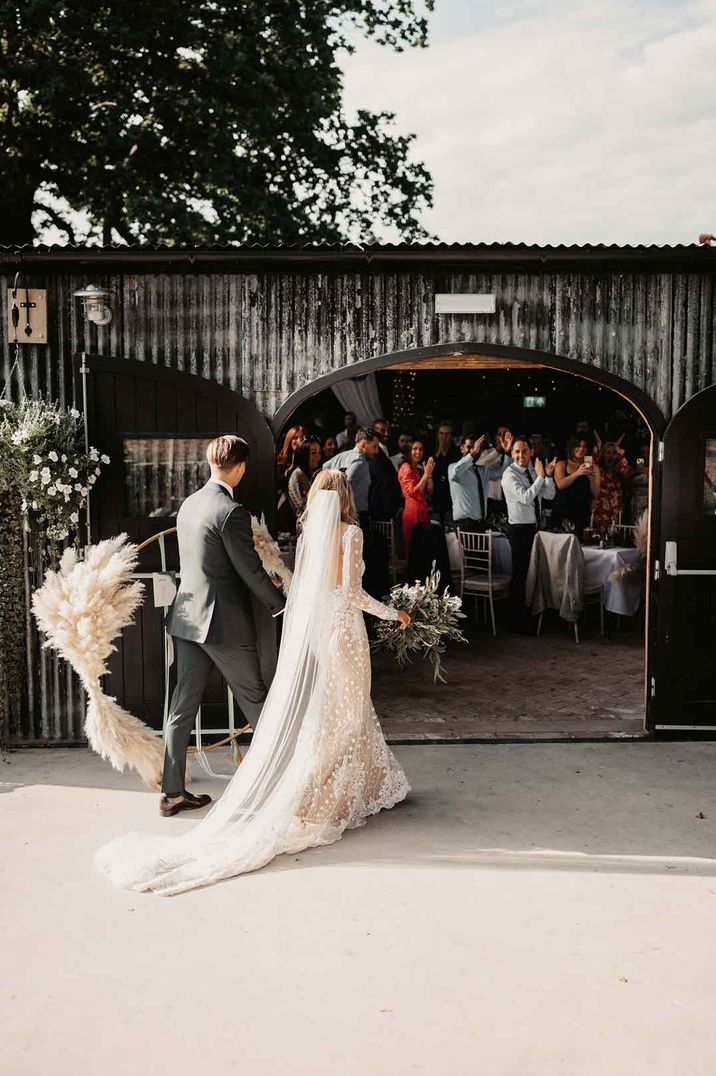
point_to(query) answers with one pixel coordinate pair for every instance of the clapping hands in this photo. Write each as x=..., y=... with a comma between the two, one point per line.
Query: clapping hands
x=545, y=469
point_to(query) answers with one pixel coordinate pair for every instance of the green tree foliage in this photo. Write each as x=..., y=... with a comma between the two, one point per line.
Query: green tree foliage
x=201, y=121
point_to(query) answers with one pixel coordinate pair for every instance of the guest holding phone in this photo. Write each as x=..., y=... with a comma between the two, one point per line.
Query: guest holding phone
x=578, y=481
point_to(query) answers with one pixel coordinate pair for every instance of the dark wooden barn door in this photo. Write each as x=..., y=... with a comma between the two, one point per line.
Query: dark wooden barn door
x=685, y=666
x=154, y=424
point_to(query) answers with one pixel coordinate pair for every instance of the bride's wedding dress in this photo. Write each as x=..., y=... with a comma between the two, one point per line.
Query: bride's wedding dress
x=318, y=763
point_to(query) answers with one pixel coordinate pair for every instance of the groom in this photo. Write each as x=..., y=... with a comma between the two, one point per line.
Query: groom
x=211, y=620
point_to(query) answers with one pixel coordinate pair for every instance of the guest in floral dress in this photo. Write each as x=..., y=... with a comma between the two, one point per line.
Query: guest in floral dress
x=609, y=504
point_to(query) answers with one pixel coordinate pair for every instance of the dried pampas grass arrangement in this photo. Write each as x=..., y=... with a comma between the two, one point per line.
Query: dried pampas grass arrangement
x=82, y=608
x=269, y=553
x=641, y=541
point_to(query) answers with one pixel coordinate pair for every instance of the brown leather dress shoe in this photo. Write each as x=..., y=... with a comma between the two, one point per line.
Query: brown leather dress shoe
x=188, y=802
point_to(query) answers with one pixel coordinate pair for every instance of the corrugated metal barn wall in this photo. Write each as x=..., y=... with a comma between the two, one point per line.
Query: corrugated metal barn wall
x=266, y=334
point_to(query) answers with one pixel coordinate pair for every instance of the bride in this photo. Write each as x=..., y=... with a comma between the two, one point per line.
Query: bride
x=318, y=763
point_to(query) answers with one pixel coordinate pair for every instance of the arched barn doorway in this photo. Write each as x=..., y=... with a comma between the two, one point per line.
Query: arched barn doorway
x=480, y=674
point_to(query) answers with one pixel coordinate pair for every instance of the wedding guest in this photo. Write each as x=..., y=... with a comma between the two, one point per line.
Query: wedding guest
x=640, y=483
x=385, y=498
x=416, y=482
x=469, y=479
x=583, y=428
x=405, y=440
x=382, y=428
x=446, y=453
x=615, y=471
x=578, y=483
x=330, y=447
x=284, y=461
x=503, y=447
x=525, y=488
x=538, y=446
x=354, y=464
x=285, y=518
x=308, y=459
x=347, y=437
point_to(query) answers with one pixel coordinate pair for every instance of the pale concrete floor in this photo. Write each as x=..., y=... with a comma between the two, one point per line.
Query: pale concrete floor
x=532, y=910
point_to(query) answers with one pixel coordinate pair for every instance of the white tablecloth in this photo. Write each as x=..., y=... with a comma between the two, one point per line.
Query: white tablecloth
x=622, y=596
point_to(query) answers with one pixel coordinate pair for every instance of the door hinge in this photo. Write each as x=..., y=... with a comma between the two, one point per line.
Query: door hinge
x=657, y=570
x=652, y=693
x=661, y=452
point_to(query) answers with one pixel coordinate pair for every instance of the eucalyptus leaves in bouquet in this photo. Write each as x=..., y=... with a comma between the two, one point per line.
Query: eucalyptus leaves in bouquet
x=434, y=620
x=49, y=469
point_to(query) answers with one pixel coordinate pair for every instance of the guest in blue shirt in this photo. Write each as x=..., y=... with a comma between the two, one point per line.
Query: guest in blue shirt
x=354, y=464
x=469, y=483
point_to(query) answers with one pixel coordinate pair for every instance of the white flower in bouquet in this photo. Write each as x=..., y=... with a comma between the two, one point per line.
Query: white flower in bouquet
x=63, y=458
x=53, y=456
x=433, y=623
x=84, y=491
x=45, y=475
x=34, y=475
x=93, y=455
x=74, y=517
x=36, y=459
x=78, y=487
x=92, y=479
x=104, y=457
x=51, y=491
x=73, y=472
x=74, y=412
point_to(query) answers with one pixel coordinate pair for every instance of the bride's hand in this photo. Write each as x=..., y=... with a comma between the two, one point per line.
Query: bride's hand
x=403, y=619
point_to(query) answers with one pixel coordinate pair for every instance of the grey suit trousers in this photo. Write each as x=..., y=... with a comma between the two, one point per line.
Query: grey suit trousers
x=239, y=665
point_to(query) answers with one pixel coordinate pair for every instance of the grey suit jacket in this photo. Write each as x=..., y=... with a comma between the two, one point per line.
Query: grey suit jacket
x=220, y=571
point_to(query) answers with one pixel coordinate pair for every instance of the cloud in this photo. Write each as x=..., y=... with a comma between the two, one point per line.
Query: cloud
x=561, y=123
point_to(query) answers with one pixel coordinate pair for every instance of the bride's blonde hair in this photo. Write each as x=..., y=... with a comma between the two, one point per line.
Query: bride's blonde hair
x=336, y=481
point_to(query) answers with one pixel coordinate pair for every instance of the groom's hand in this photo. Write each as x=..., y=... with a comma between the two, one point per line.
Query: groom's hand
x=275, y=580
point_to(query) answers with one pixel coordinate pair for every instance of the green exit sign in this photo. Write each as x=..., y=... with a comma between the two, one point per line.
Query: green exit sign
x=534, y=401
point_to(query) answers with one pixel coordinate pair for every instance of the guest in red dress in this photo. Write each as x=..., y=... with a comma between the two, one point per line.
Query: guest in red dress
x=609, y=505
x=417, y=484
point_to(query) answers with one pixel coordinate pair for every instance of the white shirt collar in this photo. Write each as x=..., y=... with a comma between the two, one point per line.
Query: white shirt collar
x=227, y=487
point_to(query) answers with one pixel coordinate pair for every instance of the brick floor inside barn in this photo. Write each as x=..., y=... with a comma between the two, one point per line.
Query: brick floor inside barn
x=519, y=687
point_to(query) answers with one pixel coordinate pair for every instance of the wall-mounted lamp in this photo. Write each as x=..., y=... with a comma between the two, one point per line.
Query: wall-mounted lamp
x=96, y=304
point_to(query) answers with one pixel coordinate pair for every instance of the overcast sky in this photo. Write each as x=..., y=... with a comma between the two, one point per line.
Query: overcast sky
x=547, y=121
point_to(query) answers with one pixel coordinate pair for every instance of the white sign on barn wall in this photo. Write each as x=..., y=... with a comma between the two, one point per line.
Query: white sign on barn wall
x=467, y=303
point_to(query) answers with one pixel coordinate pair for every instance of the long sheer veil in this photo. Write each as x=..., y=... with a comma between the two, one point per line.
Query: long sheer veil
x=251, y=822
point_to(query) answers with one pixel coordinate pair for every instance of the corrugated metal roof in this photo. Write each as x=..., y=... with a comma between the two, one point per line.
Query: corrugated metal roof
x=596, y=255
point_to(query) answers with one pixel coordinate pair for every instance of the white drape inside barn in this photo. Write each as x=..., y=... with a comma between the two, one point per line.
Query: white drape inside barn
x=360, y=395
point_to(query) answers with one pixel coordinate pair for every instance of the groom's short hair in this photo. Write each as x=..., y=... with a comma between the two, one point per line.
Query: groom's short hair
x=227, y=451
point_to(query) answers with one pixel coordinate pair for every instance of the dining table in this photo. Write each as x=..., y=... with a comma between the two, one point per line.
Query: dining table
x=621, y=596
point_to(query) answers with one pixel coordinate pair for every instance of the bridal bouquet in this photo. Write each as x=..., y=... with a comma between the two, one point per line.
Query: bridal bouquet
x=433, y=623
